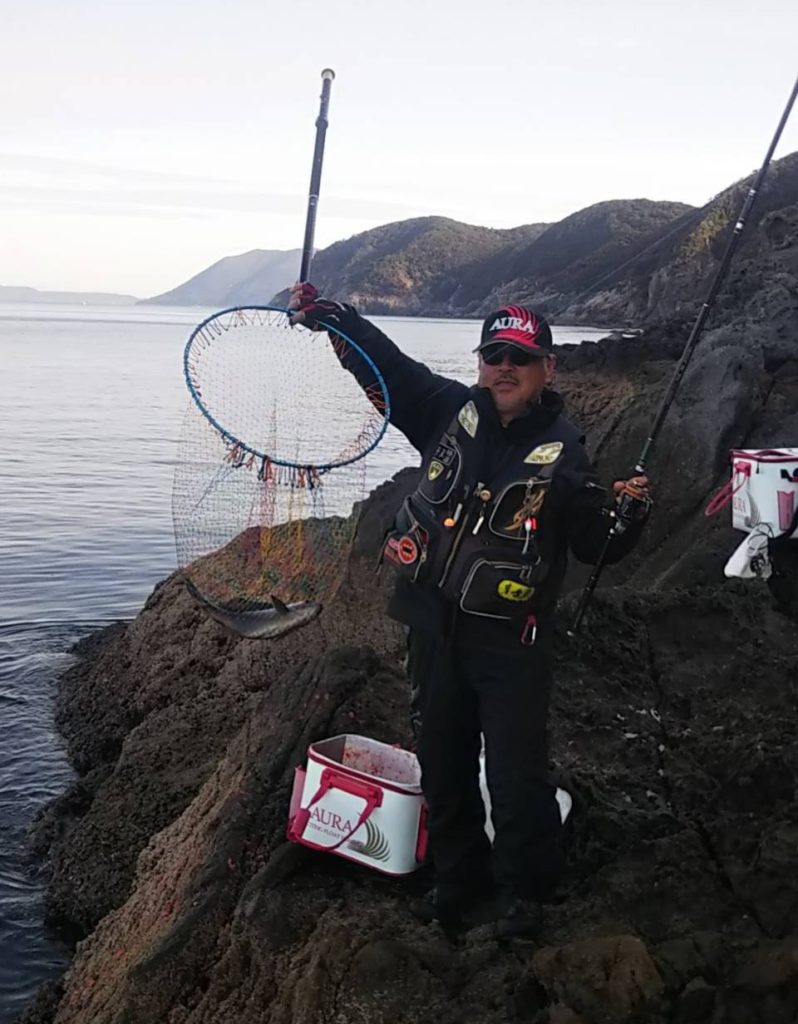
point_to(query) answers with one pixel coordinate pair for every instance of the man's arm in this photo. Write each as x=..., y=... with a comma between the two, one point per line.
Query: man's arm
x=585, y=505
x=419, y=398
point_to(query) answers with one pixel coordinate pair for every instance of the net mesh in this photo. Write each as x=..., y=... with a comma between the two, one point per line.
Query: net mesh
x=270, y=462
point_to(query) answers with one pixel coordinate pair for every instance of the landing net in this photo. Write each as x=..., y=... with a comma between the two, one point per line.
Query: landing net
x=271, y=460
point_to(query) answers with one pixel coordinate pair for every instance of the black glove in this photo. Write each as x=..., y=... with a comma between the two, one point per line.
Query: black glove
x=318, y=314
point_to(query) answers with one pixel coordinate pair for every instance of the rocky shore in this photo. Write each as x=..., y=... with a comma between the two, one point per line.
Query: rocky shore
x=674, y=721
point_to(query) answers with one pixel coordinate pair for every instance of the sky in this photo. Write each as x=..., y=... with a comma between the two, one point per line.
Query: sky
x=141, y=142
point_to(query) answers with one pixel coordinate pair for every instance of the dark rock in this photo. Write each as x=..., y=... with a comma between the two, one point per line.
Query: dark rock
x=44, y=1007
x=377, y=514
x=765, y=988
x=673, y=721
x=696, y=1003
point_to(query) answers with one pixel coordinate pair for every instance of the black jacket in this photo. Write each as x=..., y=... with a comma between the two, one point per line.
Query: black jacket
x=496, y=460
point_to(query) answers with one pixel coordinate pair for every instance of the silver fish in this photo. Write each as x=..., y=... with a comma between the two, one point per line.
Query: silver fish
x=257, y=619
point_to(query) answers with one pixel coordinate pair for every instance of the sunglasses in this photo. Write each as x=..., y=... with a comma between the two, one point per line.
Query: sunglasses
x=494, y=355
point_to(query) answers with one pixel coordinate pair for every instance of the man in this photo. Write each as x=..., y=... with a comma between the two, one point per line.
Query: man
x=480, y=551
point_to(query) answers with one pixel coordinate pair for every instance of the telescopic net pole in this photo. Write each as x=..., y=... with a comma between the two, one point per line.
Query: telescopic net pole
x=621, y=516
x=327, y=77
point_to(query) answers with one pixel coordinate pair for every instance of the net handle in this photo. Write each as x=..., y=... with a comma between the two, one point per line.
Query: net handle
x=196, y=396
x=327, y=77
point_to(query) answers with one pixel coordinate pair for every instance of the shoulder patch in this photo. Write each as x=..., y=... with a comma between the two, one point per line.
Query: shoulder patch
x=435, y=470
x=545, y=454
x=468, y=418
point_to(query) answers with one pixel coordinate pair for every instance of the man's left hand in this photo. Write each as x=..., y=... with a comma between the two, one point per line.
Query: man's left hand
x=635, y=487
x=633, y=498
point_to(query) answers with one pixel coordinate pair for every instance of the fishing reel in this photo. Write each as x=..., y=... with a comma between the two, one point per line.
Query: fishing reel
x=633, y=504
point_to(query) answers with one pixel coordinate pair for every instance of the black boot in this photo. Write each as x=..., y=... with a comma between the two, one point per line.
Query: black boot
x=518, y=918
x=440, y=905
x=451, y=904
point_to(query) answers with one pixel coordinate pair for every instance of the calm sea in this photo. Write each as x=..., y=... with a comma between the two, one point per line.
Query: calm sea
x=91, y=404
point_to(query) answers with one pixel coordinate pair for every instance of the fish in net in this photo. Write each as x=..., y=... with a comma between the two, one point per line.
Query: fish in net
x=271, y=463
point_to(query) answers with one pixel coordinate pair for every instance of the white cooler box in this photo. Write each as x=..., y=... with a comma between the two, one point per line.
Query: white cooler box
x=362, y=800
x=763, y=489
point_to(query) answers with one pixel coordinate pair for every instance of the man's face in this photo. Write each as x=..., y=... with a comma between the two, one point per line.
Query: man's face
x=513, y=387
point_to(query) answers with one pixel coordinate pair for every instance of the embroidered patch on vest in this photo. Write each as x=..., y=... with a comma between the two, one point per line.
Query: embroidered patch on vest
x=544, y=454
x=468, y=417
x=435, y=470
x=407, y=550
x=532, y=504
x=512, y=591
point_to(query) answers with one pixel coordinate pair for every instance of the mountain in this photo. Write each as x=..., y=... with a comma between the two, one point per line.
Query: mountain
x=575, y=252
x=248, y=279
x=414, y=267
x=672, y=276
x=626, y=261
x=433, y=266
x=12, y=293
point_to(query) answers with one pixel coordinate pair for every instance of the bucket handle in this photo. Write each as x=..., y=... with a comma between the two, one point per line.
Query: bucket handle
x=331, y=779
x=727, y=492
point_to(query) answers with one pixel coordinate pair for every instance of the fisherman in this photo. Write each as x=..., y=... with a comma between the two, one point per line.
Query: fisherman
x=479, y=547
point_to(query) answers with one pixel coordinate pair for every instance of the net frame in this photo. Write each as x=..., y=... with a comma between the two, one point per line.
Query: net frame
x=238, y=450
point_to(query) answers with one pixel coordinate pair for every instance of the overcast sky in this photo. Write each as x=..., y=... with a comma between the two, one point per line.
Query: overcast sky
x=142, y=141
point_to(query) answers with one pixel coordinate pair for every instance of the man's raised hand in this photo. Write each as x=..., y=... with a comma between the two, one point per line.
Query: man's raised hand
x=315, y=313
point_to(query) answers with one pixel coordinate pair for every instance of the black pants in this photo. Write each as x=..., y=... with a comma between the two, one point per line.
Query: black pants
x=458, y=693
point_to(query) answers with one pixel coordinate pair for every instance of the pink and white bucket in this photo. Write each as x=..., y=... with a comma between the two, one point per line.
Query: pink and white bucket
x=361, y=799
x=763, y=491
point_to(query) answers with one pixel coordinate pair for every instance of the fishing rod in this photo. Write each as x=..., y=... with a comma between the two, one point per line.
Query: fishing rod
x=624, y=514
x=327, y=77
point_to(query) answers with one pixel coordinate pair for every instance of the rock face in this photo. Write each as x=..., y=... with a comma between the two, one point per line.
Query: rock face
x=667, y=281
x=673, y=721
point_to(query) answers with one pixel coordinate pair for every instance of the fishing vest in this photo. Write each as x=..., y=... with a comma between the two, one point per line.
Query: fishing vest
x=470, y=530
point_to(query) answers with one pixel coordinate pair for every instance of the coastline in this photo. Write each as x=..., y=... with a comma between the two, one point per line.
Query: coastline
x=169, y=855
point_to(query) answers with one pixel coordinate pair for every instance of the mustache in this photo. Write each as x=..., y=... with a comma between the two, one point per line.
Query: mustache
x=507, y=378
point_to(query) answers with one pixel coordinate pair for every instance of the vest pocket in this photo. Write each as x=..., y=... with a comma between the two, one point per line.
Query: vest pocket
x=520, y=500
x=497, y=589
x=406, y=546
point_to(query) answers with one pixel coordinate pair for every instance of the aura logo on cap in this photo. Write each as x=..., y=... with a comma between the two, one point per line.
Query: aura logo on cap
x=519, y=326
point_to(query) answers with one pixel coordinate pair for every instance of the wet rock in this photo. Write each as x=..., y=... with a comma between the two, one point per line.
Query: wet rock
x=44, y=1007
x=148, y=718
x=605, y=979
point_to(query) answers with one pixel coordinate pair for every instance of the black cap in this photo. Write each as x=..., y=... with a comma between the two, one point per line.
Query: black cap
x=518, y=326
